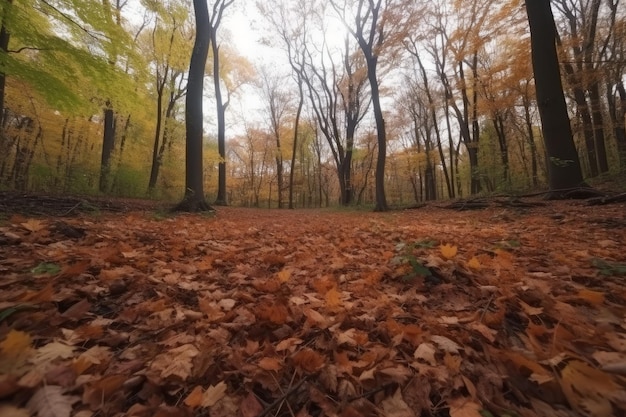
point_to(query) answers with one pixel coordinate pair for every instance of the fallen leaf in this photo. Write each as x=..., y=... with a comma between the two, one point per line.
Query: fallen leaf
x=195, y=397
x=395, y=406
x=426, y=352
x=464, y=407
x=308, y=360
x=51, y=401
x=213, y=394
x=250, y=406
x=14, y=351
x=446, y=344
x=448, y=251
x=271, y=364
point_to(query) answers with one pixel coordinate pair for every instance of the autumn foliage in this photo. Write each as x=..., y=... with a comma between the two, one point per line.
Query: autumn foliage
x=251, y=313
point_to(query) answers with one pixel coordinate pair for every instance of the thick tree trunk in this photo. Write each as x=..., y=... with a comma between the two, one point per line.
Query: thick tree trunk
x=564, y=170
x=194, y=199
x=5, y=36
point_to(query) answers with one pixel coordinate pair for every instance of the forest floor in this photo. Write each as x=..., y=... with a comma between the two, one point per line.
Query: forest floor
x=503, y=311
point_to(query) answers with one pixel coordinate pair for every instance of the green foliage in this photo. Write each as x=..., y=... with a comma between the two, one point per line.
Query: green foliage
x=46, y=268
x=407, y=256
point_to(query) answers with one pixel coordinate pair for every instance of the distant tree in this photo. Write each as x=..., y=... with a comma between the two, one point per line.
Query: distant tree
x=370, y=31
x=194, y=199
x=213, y=24
x=564, y=171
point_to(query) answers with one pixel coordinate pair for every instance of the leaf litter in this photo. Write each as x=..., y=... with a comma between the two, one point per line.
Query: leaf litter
x=500, y=312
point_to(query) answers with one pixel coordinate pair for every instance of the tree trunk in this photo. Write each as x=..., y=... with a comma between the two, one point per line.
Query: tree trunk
x=564, y=170
x=194, y=199
x=295, y=141
x=5, y=36
x=221, y=199
x=598, y=127
x=108, y=144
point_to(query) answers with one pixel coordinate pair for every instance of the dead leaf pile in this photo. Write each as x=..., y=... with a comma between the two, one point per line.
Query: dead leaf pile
x=257, y=313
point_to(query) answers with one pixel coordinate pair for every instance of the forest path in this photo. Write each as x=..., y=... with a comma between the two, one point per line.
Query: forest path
x=251, y=312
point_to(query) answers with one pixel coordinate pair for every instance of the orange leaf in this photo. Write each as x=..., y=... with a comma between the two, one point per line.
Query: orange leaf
x=270, y=364
x=333, y=298
x=194, y=399
x=14, y=350
x=448, y=251
x=309, y=360
x=474, y=263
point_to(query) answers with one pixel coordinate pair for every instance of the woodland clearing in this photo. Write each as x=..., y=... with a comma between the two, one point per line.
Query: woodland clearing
x=502, y=311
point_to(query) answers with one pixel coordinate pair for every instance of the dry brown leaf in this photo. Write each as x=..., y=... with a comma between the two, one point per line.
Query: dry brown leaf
x=194, y=399
x=271, y=364
x=426, y=352
x=14, y=351
x=213, y=394
x=446, y=344
x=51, y=401
x=7, y=410
x=464, y=407
x=176, y=362
x=395, y=406
x=309, y=360
x=250, y=406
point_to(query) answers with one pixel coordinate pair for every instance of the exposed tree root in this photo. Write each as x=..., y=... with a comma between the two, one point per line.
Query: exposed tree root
x=193, y=204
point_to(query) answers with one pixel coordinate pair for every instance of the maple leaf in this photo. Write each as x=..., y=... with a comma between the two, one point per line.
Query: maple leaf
x=15, y=349
x=213, y=394
x=176, y=362
x=33, y=225
x=51, y=352
x=474, y=263
x=51, y=401
x=448, y=251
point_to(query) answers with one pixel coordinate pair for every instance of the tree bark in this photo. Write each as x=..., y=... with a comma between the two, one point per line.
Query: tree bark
x=108, y=145
x=194, y=199
x=564, y=170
